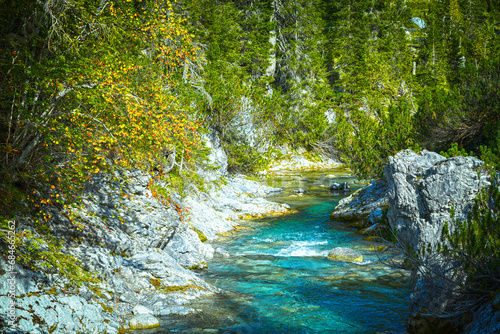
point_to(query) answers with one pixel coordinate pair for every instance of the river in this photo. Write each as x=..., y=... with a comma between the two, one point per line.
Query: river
x=279, y=279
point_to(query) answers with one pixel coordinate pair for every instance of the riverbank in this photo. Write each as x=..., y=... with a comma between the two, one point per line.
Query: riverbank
x=143, y=241
x=141, y=249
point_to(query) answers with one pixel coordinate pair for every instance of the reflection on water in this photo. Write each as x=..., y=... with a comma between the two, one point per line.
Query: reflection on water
x=278, y=279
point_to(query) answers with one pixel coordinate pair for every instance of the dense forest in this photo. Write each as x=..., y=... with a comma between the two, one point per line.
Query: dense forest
x=90, y=86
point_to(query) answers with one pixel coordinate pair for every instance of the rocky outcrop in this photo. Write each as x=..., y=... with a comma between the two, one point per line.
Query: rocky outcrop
x=365, y=205
x=419, y=192
x=217, y=157
x=143, y=240
x=486, y=320
x=216, y=212
x=423, y=189
x=39, y=310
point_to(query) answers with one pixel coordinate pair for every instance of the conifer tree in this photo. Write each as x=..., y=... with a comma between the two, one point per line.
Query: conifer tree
x=374, y=63
x=458, y=65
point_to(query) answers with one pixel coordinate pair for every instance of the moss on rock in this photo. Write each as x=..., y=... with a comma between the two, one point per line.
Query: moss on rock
x=202, y=236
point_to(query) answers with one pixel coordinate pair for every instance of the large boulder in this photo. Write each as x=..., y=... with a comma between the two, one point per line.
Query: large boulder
x=423, y=189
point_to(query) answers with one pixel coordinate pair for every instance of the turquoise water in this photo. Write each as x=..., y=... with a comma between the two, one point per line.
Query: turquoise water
x=279, y=280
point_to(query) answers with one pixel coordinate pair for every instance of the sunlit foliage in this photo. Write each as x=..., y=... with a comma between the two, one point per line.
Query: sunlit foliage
x=87, y=85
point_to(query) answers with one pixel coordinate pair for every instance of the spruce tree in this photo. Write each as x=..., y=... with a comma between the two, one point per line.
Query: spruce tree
x=373, y=58
x=459, y=65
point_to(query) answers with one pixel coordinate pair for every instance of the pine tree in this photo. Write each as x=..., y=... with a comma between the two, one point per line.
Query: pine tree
x=459, y=65
x=373, y=59
x=256, y=25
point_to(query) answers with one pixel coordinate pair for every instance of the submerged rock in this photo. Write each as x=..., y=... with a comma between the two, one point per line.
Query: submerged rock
x=345, y=255
x=143, y=321
x=220, y=252
x=344, y=186
x=177, y=310
x=299, y=191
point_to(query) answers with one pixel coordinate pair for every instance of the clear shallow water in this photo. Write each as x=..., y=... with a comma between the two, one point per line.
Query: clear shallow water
x=279, y=279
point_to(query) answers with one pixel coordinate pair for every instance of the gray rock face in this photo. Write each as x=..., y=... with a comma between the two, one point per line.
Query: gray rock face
x=486, y=320
x=217, y=157
x=245, y=122
x=419, y=191
x=60, y=313
x=422, y=190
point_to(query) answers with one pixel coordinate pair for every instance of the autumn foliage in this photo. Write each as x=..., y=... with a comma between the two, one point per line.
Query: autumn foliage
x=88, y=86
